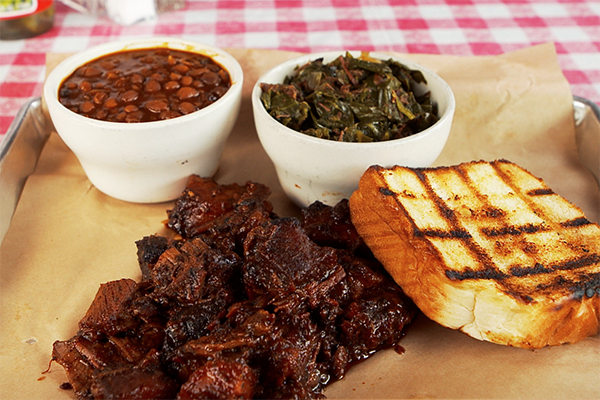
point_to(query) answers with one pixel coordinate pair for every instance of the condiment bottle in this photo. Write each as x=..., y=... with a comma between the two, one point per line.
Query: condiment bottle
x=21, y=19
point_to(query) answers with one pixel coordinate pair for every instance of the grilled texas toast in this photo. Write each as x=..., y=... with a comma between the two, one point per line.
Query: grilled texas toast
x=486, y=248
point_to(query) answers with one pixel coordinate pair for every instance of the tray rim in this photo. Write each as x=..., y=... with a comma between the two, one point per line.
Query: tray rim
x=11, y=187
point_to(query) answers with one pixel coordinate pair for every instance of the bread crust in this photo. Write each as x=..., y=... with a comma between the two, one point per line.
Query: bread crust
x=481, y=308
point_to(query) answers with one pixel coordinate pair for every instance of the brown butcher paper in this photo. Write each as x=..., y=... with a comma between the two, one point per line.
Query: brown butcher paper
x=67, y=238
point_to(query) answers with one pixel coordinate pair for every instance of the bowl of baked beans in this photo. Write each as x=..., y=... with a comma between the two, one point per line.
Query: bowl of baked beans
x=142, y=115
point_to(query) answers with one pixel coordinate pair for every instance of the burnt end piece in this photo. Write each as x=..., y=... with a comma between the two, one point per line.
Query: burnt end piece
x=204, y=201
x=220, y=379
x=332, y=226
x=78, y=370
x=149, y=250
x=134, y=383
x=245, y=305
x=107, y=313
x=281, y=259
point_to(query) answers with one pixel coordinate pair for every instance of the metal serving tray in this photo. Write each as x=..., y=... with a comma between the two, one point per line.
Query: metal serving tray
x=27, y=135
x=587, y=134
x=19, y=153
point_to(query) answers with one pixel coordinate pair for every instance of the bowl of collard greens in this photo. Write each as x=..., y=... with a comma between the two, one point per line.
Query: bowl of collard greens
x=324, y=118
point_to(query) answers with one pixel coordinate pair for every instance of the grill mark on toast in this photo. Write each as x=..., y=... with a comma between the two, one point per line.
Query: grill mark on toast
x=386, y=191
x=579, y=262
x=513, y=230
x=572, y=282
x=468, y=273
x=587, y=285
x=574, y=223
x=438, y=233
x=540, y=192
x=489, y=269
x=537, y=269
x=591, y=287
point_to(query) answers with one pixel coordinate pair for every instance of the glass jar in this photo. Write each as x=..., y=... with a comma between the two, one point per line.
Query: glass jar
x=21, y=19
x=125, y=12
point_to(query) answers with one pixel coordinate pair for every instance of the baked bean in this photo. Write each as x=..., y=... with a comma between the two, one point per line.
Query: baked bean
x=91, y=72
x=181, y=68
x=121, y=83
x=152, y=86
x=171, y=85
x=137, y=79
x=99, y=97
x=210, y=78
x=85, y=86
x=186, y=108
x=144, y=85
x=223, y=75
x=168, y=114
x=108, y=65
x=87, y=106
x=157, y=77
x=157, y=106
x=112, y=75
x=129, y=96
x=111, y=103
x=129, y=108
x=135, y=116
x=219, y=91
x=186, y=80
x=197, y=72
x=187, y=92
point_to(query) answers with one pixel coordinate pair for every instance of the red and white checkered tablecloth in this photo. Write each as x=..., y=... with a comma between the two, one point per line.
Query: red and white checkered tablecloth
x=453, y=27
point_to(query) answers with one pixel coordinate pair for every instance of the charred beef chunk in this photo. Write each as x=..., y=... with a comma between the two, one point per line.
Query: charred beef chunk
x=108, y=312
x=149, y=250
x=369, y=324
x=245, y=305
x=193, y=271
x=332, y=226
x=204, y=201
x=79, y=371
x=229, y=232
x=220, y=379
x=133, y=383
x=280, y=259
x=191, y=322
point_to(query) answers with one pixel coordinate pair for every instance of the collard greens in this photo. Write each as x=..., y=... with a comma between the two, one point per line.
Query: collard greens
x=351, y=100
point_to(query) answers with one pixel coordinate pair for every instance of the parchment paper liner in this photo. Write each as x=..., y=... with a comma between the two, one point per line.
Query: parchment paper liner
x=67, y=238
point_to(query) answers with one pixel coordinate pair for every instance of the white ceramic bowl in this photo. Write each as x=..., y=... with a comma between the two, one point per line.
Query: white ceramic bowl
x=147, y=162
x=311, y=169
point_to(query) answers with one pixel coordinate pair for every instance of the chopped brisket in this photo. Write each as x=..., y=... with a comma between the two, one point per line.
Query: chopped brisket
x=108, y=312
x=244, y=305
x=204, y=201
x=331, y=226
x=150, y=249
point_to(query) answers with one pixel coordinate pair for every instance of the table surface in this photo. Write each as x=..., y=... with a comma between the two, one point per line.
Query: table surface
x=450, y=27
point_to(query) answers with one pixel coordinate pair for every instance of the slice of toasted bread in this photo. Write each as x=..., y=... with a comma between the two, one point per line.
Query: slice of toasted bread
x=486, y=248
